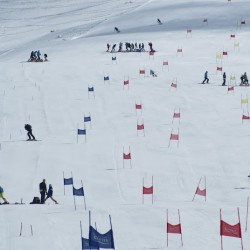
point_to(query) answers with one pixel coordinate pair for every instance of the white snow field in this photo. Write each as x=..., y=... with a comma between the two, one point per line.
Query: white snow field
x=53, y=97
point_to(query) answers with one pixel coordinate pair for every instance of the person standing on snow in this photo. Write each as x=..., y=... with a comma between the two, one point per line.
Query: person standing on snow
x=29, y=129
x=38, y=55
x=224, y=79
x=2, y=196
x=50, y=194
x=108, y=46
x=43, y=190
x=205, y=77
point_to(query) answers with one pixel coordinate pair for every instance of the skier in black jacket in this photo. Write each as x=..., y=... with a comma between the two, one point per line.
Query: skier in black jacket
x=29, y=129
x=43, y=190
x=50, y=194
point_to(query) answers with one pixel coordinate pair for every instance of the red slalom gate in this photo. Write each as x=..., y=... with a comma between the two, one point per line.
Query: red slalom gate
x=201, y=192
x=174, y=229
x=127, y=157
x=148, y=190
x=230, y=230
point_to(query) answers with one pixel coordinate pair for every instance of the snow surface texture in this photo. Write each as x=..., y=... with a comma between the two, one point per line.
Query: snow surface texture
x=53, y=98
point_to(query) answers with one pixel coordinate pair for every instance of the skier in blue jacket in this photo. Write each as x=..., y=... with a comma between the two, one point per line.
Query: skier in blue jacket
x=205, y=77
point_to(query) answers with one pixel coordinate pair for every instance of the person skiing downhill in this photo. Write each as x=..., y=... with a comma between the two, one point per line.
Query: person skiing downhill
x=205, y=78
x=159, y=21
x=2, y=196
x=50, y=194
x=29, y=129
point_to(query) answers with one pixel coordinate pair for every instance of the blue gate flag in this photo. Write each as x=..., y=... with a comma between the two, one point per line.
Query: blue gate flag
x=81, y=131
x=68, y=181
x=87, y=118
x=85, y=244
x=98, y=240
x=78, y=192
x=114, y=58
x=106, y=78
x=91, y=89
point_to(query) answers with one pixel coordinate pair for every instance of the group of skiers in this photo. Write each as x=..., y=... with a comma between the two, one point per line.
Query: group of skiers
x=243, y=78
x=35, y=56
x=130, y=47
x=43, y=192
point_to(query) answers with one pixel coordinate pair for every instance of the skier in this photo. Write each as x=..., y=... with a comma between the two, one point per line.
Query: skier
x=45, y=57
x=244, y=79
x=31, y=56
x=224, y=79
x=159, y=21
x=38, y=56
x=35, y=55
x=152, y=73
x=108, y=46
x=205, y=77
x=2, y=196
x=142, y=47
x=50, y=194
x=116, y=29
x=150, y=46
x=120, y=47
x=113, y=48
x=29, y=129
x=43, y=190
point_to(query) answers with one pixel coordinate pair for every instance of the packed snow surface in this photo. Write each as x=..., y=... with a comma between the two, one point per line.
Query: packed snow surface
x=53, y=97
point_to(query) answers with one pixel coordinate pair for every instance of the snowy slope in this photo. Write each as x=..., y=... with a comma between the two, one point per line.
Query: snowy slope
x=53, y=97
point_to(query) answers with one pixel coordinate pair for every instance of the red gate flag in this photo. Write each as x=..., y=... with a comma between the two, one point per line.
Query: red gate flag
x=230, y=230
x=201, y=192
x=205, y=20
x=165, y=63
x=126, y=82
x=147, y=190
x=174, y=85
x=245, y=116
x=174, y=137
x=232, y=36
x=140, y=127
x=230, y=89
x=151, y=53
x=189, y=30
x=219, y=68
x=142, y=72
x=127, y=157
x=224, y=53
x=176, y=115
x=138, y=106
x=174, y=229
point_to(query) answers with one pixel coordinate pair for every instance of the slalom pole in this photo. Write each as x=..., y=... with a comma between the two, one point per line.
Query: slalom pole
x=167, y=227
x=196, y=189
x=63, y=184
x=111, y=231
x=180, y=226
x=21, y=229
x=247, y=213
x=84, y=197
x=74, y=198
x=221, y=243
x=240, y=229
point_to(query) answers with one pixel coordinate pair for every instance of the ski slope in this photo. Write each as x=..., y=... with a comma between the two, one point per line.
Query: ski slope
x=53, y=97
